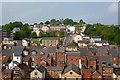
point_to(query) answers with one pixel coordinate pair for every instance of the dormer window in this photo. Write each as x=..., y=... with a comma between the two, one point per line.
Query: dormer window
x=34, y=52
x=25, y=52
x=41, y=53
x=71, y=72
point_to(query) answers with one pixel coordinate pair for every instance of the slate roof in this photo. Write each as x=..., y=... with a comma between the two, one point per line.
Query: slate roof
x=117, y=71
x=50, y=38
x=82, y=41
x=73, y=44
x=7, y=53
x=49, y=50
x=61, y=49
x=7, y=71
x=54, y=68
x=71, y=67
x=98, y=42
x=93, y=50
x=83, y=51
x=22, y=66
x=41, y=69
x=93, y=58
x=107, y=60
x=113, y=52
x=102, y=50
x=73, y=53
x=95, y=37
x=18, y=51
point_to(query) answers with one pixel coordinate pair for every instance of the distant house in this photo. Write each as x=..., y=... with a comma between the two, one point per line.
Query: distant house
x=92, y=62
x=60, y=56
x=98, y=43
x=115, y=56
x=105, y=43
x=25, y=42
x=38, y=73
x=82, y=43
x=50, y=41
x=73, y=58
x=15, y=30
x=20, y=71
x=101, y=43
x=76, y=38
x=83, y=28
x=16, y=58
x=86, y=72
x=71, y=71
x=17, y=54
x=57, y=28
x=107, y=67
x=54, y=72
x=70, y=29
x=7, y=34
x=72, y=47
x=37, y=29
x=95, y=38
x=45, y=28
x=7, y=74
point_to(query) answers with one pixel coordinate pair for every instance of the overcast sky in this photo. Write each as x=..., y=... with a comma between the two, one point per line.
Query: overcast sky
x=35, y=12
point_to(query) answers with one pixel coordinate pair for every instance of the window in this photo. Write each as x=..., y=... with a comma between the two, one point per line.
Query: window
x=110, y=71
x=71, y=72
x=106, y=71
x=76, y=59
x=35, y=73
x=71, y=59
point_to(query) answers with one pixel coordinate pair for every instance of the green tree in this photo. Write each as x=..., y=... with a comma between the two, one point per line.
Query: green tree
x=68, y=21
x=53, y=22
x=47, y=22
x=33, y=35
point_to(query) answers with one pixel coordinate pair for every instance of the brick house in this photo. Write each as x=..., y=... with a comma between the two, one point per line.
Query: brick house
x=72, y=47
x=107, y=67
x=60, y=57
x=38, y=73
x=86, y=73
x=71, y=72
x=115, y=56
x=92, y=62
x=73, y=58
x=50, y=41
x=54, y=72
x=7, y=74
x=96, y=75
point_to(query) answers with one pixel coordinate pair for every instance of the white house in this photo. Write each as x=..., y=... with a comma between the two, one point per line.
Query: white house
x=45, y=28
x=16, y=58
x=36, y=29
x=25, y=42
x=95, y=38
x=16, y=30
x=70, y=28
x=105, y=43
x=98, y=43
x=76, y=38
x=86, y=37
x=83, y=28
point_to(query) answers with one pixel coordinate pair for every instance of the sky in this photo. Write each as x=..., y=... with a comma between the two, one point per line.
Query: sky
x=36, y=12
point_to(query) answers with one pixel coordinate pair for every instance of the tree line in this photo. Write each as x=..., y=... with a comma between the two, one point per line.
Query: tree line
x=106, y=32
